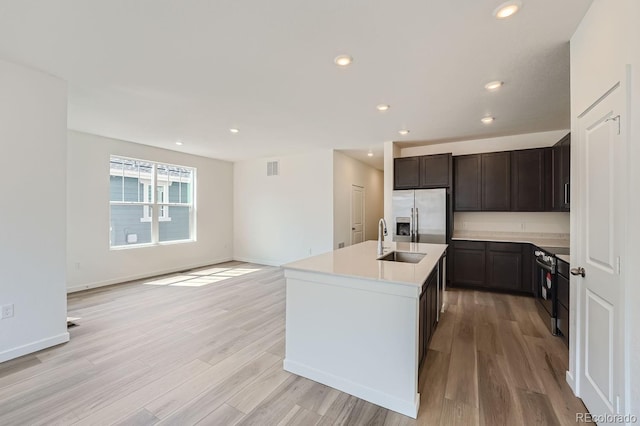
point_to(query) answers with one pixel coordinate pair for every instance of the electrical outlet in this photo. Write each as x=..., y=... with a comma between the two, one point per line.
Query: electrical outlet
x=77, y=266
x=7, y=311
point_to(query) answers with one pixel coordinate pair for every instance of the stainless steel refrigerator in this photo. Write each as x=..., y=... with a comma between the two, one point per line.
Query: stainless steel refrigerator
x=420, y=215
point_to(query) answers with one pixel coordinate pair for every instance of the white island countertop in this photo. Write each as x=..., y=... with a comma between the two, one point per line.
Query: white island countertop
x=361, y=261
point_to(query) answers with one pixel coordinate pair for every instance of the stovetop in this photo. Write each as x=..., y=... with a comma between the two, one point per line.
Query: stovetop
x=556, y=250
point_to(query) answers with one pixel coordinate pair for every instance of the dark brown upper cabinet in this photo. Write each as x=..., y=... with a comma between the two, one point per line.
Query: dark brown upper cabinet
x=467, y=182
x=427, y=171
x=530, y=187
x=562, y=174
x=406, y=173
x=496, y=181
x=435, y=171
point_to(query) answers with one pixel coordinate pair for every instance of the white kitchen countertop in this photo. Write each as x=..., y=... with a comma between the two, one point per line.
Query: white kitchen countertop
x=360, y=261
x=536, y=238
x=564, y=257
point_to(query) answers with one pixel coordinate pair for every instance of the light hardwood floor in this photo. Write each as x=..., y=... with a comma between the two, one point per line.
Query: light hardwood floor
x=206, y=347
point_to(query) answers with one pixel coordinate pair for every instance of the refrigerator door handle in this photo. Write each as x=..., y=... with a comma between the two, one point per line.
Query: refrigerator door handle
x=416, y=227
x=411, y=226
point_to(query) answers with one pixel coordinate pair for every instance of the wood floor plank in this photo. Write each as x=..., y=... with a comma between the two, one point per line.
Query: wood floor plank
x=17, y=365
x=212, y=398
x=365, y=413
x=279, y=403
x=443, y=337
x=299, y=416
x=152, y=350
x=551, y=372
x=248, y=399
x=462, y=383
x=521, y=370
x=129, y=404
x=536, y=409
x=223, y=415
x=339, y=410
x=497, y=400
x=457, y=413
x=433, y=387
x=139, y=418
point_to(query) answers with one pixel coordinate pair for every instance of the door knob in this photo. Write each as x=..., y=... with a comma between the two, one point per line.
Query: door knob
x=353, y=229
x=578, y=271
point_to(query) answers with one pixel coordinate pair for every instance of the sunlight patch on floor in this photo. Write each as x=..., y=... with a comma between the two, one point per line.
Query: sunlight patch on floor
x=199, y=282
x=168, y=280
x=238, y=272
x=201, y=277
x=208, y=271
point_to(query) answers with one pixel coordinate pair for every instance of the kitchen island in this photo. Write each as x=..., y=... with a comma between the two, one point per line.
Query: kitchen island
x=361, y=325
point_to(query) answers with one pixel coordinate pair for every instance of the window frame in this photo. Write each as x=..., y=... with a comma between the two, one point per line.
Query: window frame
x=151, y=208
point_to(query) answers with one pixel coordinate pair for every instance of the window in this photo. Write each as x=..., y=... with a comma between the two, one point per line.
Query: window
x=141, y=215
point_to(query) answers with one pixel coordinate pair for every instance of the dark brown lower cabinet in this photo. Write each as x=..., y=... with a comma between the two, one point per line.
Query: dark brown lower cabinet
x=428, y=314
x=504, y=266
x=468, y=263
x=422, y=321
x=492, y=266
x=562, y=282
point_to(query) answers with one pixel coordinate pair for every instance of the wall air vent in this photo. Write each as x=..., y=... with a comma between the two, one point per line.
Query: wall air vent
x=272, y=168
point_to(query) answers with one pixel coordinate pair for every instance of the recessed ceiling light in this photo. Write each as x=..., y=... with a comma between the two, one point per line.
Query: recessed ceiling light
x=234, y=130
x=343, y=60
x=383, y=107
x=507, y=9
x=403, y=132
x=487, y=120
x=493, y=85
x=178, y=142
x=370, y=153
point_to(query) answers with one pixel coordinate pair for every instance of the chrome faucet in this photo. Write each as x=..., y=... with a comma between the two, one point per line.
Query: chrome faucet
x=382, y=229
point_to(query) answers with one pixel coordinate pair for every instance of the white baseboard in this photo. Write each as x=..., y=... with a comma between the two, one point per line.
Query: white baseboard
x=571, y=381
x=33, y=347
x=134, y=277
x=257, y=261
x=408, y=408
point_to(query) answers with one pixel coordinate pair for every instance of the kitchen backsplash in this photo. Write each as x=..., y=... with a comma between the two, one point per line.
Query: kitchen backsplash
x=547, y=222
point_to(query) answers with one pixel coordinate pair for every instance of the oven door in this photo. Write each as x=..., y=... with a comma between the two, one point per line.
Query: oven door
x=546, y=294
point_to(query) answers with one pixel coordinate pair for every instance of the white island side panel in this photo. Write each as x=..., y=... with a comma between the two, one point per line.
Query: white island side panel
x=359, y=341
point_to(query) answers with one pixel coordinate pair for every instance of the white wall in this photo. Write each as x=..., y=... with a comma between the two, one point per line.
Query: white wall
x=503, y=143
x=33, y=121
x=607, y=40
x=279, y=219
x=88, y=215
x=347, y=172
x=391, y=151
x=547, y=222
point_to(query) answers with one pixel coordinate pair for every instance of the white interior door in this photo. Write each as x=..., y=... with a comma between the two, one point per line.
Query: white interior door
x=600, y=168
x=357, y=214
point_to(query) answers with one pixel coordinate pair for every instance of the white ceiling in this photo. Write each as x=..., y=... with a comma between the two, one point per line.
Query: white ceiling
x=155, y=71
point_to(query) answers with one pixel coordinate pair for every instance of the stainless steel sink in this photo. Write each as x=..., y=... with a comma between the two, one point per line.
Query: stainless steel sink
x=403, y=256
